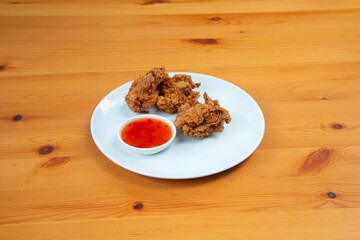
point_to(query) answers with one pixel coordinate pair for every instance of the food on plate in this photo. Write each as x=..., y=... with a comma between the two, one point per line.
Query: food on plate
x=143, y=93
x=176, y=94
x=177, y=91
x=156, y=87
x=146, y=133
x=202, y=119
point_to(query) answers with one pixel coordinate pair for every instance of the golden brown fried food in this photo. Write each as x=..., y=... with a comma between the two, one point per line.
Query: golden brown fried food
x=143, y=93
x=177, y=91
x=202, y=119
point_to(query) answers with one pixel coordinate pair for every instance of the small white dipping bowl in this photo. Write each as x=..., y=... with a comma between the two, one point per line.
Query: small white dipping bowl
x=147, y=151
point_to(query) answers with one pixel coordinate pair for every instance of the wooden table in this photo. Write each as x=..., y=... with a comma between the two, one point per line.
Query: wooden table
x=299, y=59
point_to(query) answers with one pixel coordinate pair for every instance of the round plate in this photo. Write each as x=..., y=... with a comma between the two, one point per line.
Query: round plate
x=186, y=157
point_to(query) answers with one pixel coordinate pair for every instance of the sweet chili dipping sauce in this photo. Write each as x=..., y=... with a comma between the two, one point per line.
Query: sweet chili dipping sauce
x=146, y=133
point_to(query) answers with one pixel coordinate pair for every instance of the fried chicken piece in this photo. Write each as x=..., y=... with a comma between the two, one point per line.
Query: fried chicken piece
x=176, y=92
x=202, y=119
x=143, y=93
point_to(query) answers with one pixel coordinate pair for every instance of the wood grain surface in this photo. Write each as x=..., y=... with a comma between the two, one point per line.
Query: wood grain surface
x=300, y=60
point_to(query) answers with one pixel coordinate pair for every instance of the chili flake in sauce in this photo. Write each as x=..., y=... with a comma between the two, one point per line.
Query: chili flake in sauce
x=146, y=133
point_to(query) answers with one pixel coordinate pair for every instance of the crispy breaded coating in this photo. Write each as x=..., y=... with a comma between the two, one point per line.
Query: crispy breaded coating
x=202, y=119
x=143, y=93
x=177, y=91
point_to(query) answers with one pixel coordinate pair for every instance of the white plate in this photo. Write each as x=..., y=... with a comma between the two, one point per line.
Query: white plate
x=186, y=157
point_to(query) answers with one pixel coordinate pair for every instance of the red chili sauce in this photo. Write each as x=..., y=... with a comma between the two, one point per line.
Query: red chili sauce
x=146, y=133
